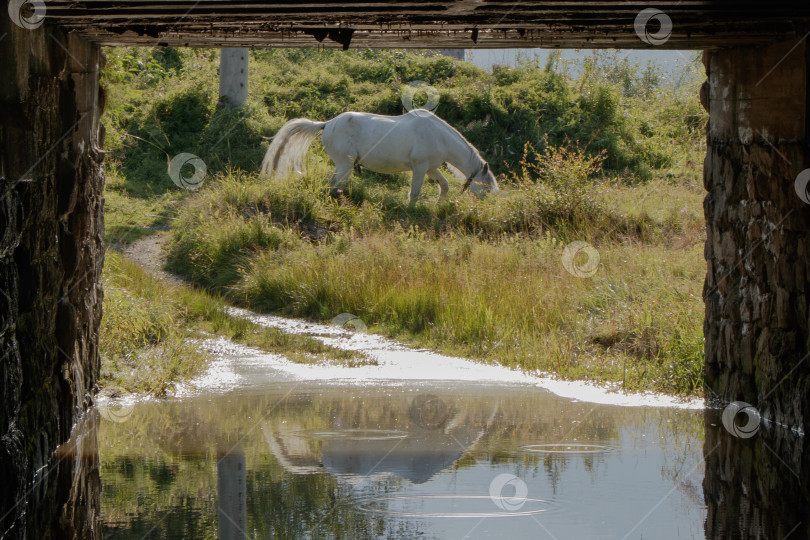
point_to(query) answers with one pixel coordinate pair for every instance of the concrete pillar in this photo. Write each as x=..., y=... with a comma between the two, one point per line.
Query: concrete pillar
x=231, y=493
x=51, y=253
x=758, y=269
x=233, y=76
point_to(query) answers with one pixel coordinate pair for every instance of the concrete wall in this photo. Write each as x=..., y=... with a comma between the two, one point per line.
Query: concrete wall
x=51, y=253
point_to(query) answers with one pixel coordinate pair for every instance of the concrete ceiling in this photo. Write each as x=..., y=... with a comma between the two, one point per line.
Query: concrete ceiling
x=695, y=24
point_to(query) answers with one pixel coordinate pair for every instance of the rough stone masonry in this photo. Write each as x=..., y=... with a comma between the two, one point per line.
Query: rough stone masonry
x=51, y=254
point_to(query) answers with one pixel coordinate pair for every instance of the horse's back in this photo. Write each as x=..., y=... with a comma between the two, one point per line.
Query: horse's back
x=355, y=134
x=364, y=120
x=385, y=143
x=359, y=120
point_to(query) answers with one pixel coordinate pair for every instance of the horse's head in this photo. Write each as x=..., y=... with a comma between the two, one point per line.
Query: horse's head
x=482, y=181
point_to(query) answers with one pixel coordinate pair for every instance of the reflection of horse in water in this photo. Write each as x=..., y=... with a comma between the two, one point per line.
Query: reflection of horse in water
x=430, y=437
x=418, y=141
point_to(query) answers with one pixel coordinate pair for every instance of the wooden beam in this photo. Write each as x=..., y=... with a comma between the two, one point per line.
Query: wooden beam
x=696, y=24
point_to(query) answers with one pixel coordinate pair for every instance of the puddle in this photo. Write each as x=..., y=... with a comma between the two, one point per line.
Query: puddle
x=567, y=448
x=449, y=506
x=422, y=445
x=419, y=459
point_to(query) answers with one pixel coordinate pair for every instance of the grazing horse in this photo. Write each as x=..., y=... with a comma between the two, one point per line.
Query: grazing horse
x=417, y=141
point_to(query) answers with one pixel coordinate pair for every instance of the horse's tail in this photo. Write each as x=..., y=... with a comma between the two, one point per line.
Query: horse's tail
x=290, y=145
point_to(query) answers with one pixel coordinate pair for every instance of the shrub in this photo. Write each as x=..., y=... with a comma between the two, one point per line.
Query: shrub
x=169, y=106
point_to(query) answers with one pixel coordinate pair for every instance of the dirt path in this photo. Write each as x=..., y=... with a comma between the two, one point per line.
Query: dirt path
x=150, y=254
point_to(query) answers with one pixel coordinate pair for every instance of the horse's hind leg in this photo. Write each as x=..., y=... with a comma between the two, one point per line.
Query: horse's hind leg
x=343, y=171
x=444, y=185
x=339, y=178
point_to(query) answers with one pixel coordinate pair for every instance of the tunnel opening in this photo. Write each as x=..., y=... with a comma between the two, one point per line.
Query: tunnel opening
x=52, y=250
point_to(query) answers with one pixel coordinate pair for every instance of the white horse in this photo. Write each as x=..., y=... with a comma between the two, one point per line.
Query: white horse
x=418, y=141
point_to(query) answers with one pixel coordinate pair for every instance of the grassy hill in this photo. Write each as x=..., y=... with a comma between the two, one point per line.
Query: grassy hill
x=609, y=156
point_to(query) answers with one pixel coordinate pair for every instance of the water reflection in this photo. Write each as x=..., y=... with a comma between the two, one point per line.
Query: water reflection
x=63, y=500
x=756, y=487
x=231, y=492
x=368, y=437
x=399, y=462
x=433, y=462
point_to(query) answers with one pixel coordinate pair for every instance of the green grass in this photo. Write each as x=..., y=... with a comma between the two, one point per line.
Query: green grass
x=150, y=327
x=610, y=156
x=640, y=120
x=479, y=278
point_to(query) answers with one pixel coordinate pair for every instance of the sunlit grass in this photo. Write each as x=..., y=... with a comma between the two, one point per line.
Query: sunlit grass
x=150, y=329
x=479, y=278
x=637, y=321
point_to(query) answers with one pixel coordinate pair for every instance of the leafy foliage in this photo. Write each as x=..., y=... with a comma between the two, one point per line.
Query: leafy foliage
x=603, y=151
x=168, y=104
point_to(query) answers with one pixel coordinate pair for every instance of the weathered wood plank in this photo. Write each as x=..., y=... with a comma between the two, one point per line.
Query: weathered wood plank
x=412, y=23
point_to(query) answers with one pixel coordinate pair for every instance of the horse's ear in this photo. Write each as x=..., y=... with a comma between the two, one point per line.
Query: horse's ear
x=486, y=168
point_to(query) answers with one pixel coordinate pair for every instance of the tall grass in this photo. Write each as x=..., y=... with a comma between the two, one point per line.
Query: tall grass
x=637, y=321
x=150, y=331
x=604, y=152
x=478, y=278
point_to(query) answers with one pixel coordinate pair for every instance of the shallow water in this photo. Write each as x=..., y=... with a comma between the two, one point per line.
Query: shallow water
x=240, y=366
x=424, y=445
x=411, y=459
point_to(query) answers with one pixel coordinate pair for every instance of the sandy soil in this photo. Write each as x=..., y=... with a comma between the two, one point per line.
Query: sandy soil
x=150, y=254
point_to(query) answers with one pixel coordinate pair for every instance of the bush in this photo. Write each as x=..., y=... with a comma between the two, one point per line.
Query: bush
x=481, y=278
x=169, y=105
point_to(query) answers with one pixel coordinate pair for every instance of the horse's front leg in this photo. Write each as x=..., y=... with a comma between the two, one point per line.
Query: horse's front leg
x=419, y=172
x=444, y=185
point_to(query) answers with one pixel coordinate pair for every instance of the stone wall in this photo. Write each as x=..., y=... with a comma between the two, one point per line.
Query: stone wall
x=758, y=230
x=51, y=253
x=756, y=326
